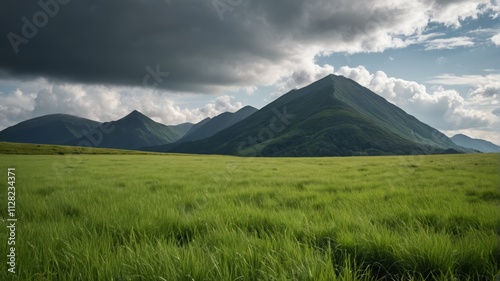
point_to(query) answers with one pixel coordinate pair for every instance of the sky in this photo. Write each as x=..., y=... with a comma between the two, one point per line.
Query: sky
x=184, y=60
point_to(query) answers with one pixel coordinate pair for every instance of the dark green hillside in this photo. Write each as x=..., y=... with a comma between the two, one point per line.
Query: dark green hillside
x=387, y=114
x=333, y=116
x=131, y=132
x=181, y=129
x=346, y=134
x=477, y=144
x=218, y=123
x=197, y=126
x=49, y=129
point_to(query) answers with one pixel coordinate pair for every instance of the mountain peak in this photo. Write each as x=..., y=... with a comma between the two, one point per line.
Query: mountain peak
x=135, y=115
x=135, y=131
x=135, y=112
x=327, y=81
x=247, y=108
x=210, y=127
x=331, y=77
x=462, y=136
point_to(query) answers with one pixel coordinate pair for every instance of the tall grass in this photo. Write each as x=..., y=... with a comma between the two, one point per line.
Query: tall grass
x=181, y=217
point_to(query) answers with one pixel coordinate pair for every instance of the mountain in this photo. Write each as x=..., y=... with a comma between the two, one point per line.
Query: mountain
x=197, y=126
x=133, y=131
x=332, y=116
x=181, y=129
x=217, y=124
x=49, y=129
x=477, y=144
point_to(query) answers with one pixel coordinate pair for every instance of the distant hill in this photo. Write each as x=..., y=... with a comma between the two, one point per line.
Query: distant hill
x=181, y=129
x=333, y=116
x=49, y=129
x=218, y=123
x=477, y=144
x=197, y=126
x=133, y=131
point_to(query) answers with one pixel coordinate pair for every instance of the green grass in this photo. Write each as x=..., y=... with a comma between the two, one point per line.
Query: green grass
x=182, y=217
x=48, y=149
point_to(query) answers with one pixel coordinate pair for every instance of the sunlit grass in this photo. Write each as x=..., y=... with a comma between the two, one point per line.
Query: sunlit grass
x=166, y=217
x=49, y=149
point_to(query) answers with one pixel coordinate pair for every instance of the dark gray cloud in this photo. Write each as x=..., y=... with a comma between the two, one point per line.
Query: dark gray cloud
x=114, y=41
x=243, y=43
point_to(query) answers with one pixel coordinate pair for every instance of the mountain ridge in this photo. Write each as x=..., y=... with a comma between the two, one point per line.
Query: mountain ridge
x=327, y=113
x=334, y=116
x=474, y=143
x=133, y=131
x=218, y=123
x=48, y=129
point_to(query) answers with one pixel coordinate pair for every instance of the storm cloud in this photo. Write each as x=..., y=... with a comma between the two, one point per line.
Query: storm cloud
x=203, y=46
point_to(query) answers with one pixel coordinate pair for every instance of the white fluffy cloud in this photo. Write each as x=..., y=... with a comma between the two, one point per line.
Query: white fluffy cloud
x=449, y=43
x=102, y=103
x=468, y=80
x=496, y=39
x=450, y=13
x=15, y=107
x=301, y=78
x=484, y=89
x=489, y=91
x=443, y=109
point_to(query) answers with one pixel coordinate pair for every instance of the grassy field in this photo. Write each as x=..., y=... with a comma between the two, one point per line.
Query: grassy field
x=48, y=149
x=181, y=217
